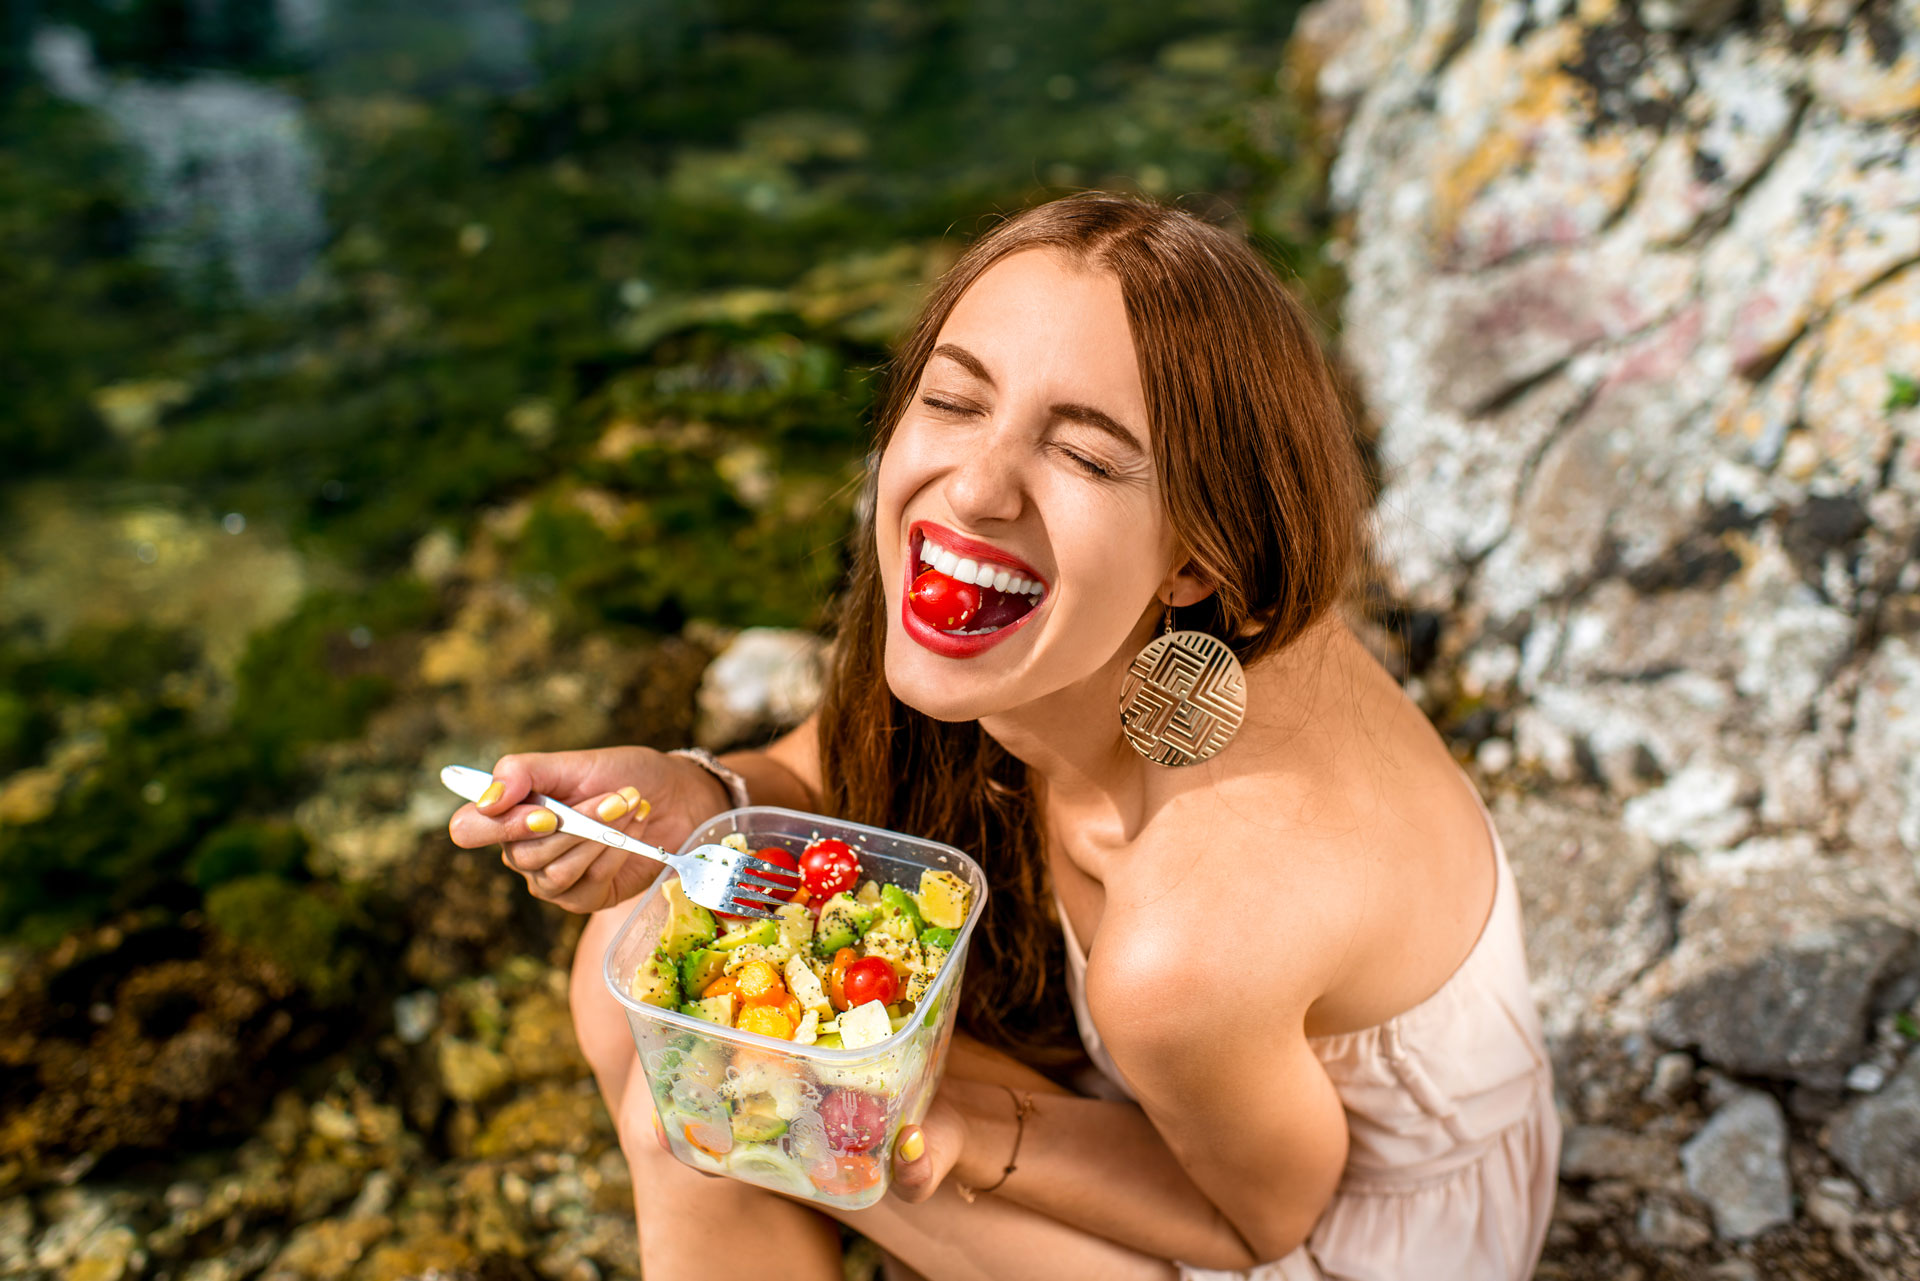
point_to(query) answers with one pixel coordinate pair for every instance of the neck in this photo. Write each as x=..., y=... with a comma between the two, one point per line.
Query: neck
x=1072, y=740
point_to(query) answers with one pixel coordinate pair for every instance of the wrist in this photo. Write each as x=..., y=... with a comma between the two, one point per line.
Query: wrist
x=722, y=782
x=990, y=1132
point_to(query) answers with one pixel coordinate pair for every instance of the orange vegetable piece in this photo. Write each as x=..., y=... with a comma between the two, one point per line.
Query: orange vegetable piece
x=726, y=984
x=711, y=1138
x=767, y=1021
x=837, y=977
x=759, y=981
x=793, y=1010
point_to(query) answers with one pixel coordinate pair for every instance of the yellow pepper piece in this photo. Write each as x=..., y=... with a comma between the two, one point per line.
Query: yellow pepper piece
x=767, y=1021
x=758, y=979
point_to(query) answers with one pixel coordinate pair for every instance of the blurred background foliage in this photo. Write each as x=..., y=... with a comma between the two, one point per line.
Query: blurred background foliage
x=314, y=315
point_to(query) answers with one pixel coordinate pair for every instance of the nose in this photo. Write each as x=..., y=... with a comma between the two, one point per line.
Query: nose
x=985, y=484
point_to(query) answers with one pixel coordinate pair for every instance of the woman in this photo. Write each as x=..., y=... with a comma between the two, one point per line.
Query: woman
x=1295, y=957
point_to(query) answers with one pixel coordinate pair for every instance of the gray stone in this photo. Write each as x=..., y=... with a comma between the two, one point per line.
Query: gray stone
x=1672, y=1077
x=1737, y=1164
x=1666, y=1226
x=767, y=679
x=1885, y=745
x=415, y=1015
x=16, y=1235
x=1592, y=902
x=1601, y=1152
x=1779, y=963
x=1877, y=1139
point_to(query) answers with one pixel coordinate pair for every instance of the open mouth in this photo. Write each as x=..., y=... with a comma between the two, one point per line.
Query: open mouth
x=963, y=595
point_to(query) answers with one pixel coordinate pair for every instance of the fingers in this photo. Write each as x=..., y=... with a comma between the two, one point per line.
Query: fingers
x=924, y=1154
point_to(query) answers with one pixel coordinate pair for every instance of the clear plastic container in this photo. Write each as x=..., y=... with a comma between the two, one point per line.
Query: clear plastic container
x=768, y=1111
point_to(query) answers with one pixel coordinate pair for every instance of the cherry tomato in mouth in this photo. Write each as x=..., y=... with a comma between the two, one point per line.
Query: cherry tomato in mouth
x=829, y=867
x=871, y=978
x=942, y=602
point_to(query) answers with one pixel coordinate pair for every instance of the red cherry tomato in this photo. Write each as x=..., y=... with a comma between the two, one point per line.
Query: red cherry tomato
x=870, y=978
x=784, y=859
x=829, y=867
x=943, y=602
x=844, y=1175
x=855, y=1121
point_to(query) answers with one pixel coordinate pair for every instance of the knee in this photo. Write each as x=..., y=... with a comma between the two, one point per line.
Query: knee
x=599, y=1022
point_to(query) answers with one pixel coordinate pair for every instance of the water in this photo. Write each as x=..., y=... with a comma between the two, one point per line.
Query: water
x=301, y=304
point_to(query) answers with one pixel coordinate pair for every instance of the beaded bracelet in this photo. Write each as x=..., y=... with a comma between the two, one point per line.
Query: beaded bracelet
x=1022, y=1104
x=735, y=786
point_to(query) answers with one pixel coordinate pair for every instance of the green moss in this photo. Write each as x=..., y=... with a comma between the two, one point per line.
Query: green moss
x=247, y=848
x=295, y=926
x=1903, y=391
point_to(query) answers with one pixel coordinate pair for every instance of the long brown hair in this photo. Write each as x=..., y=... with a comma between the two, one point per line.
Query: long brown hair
x=1262, y=482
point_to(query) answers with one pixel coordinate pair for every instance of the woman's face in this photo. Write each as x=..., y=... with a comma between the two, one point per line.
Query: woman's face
x=1025, y=449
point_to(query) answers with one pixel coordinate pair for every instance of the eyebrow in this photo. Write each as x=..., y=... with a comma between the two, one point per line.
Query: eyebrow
x=1085, y=414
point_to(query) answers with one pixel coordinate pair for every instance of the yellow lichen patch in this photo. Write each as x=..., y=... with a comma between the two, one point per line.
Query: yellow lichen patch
x=1518, y=115
x=29, y=795
x=132, y=409
x=1845, y=406
x=1763, y=415
x=1857, y=85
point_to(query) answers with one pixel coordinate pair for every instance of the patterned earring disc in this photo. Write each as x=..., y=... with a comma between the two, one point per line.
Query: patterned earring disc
x=1183, y=698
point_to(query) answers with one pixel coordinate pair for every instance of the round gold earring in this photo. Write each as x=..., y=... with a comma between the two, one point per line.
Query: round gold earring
x=1183, y=698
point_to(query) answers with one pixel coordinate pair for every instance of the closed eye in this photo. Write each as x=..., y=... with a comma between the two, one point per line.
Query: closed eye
x=1086, y=464
x=943, y=406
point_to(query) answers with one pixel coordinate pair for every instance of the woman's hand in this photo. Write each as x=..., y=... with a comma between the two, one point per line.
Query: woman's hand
x=925, y=1154
x=971, y=1129
x=645, y=793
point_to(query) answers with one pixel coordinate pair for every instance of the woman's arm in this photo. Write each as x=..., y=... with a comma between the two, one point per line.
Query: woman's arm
x=1268, y=1136
x=786, y=771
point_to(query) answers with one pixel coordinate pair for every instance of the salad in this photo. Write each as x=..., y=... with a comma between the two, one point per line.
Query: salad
x=845, y=964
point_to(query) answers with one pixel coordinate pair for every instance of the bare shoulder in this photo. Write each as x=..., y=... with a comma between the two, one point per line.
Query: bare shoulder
x=1229, y=907
x=1330, y=878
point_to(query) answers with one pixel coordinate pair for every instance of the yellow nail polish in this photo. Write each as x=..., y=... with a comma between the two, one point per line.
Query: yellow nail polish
x=642, y=808
x=542, y=821
x=492, y=794
x=632, y=794
x=912, y=1146
x=611, y=808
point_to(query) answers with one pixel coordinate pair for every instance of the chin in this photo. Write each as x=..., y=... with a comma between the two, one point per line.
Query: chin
x=939, y=688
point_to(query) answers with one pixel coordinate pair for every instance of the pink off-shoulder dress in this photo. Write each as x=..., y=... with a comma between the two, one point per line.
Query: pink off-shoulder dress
x=1454, y=1143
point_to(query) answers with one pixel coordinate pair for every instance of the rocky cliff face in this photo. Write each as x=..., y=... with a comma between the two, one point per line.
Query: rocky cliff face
x=1635, y=311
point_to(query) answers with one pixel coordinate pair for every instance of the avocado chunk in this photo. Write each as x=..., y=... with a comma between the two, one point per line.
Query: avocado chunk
x=657, y=982
x=688, y=924
x=700, y=967
x=761, y=933
x=892, y=896
x=756, y=1121
x=842, y=921
x=943, y=899
x=714, y=1009
x=939, y=937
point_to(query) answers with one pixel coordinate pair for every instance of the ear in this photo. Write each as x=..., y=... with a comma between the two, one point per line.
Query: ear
x=1186, y=585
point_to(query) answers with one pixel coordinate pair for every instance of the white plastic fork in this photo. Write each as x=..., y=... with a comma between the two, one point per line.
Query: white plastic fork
x=714, y=876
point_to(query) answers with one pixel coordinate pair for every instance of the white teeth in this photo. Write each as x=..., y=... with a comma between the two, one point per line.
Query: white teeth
x=980, y=573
